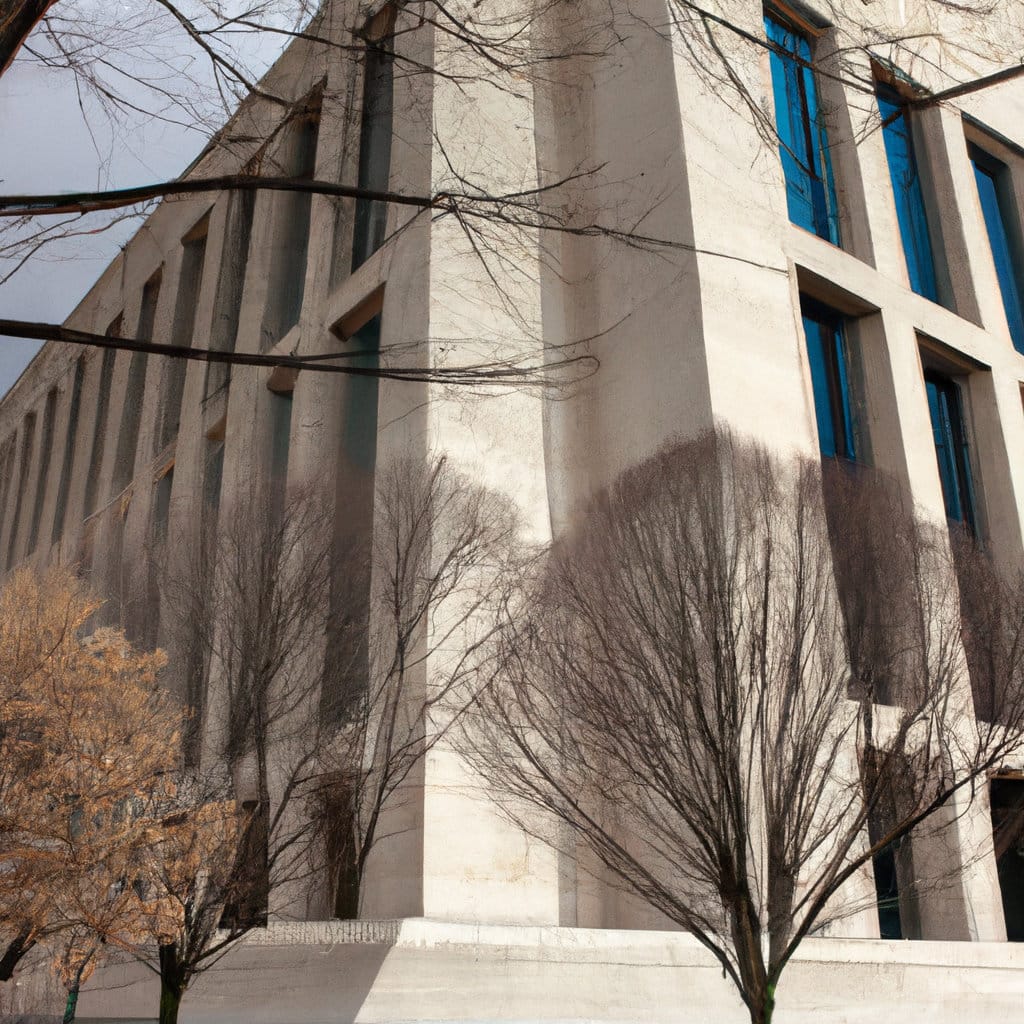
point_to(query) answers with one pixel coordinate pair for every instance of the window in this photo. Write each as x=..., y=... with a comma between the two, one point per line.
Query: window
x=1006, y=797
x=131, y=413
x=371, y=215
x=337, y=795
x=249, y=887
x=280, y=445
x=360, y=399
x=911, y=212
x=28, y=436
x=7, y=460
x=213, y=477
x=346, y=659
x=162, y=504
x=69, y=451
x=945, y=407
x=45, y=455
x=803, y=142
x=99, y=431
x=830, y=381
x=892, y=866
x=1004, y=238
x=230, y=282
x=297, y=159
x=173, y=382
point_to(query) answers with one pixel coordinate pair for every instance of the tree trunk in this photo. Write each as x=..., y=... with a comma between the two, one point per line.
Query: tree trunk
x=15, y=26
x=763, y=1012
x=172, y=985
x=70, y=1005
x=16, y=949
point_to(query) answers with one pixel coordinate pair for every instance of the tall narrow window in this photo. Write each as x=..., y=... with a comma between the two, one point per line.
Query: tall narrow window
x=162, y=504
x=230, y=281
x=375, y=137
x=1006, y=797
x=7, y=460
x=911, y=211
x=945, y=407
x=213, y=477
x=131, y=412
x=173, y=382
x=1004, y=237
x=45, y=455
x=28, y=437
x=280, y=444
x=291, y=226
x=68, y=462
x=893, y=865
x=346, y=659
x=830, y=381
x=803, y=142
x=99, y=430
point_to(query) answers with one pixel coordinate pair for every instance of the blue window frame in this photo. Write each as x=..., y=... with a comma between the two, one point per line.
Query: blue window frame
x=945, y=407
x=911, y=212
x=997, y=207
x=830, y=381
x=803, y=143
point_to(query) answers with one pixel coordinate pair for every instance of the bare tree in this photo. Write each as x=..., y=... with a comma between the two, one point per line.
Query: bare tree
x=685, y=688
x=442, y=548
x=122, y=64
x=315, y=642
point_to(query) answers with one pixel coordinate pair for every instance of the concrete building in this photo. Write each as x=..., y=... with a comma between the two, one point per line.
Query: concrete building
x=861, y=294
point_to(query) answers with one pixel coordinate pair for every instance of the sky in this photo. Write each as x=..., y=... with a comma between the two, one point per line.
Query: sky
x=52, y=143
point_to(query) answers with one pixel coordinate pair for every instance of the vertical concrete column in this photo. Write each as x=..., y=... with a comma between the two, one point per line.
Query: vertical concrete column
x=969, y=903
x=477, y=867
x=964, y=239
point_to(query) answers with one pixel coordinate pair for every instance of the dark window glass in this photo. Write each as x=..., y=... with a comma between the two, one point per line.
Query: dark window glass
x=803, y=142
x=951, y=449
x=7, y=467
x=69, y=451
x=280, y=444
x=135, y=391
x=374, y=150
x=346, y=660
x=162, y=505
x=911, y=212
x=830, y=381
x=230, y=282
x=45, y=456
x=28, y=436
x=360, y=399
x=1007, y=802
x=213, y=477
x=893, y=865
x=291, y=241
x=173, y=384
x=99, y=430
x=999, y=211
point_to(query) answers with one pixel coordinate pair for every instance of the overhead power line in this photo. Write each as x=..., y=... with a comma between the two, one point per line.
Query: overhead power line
x=496, y=373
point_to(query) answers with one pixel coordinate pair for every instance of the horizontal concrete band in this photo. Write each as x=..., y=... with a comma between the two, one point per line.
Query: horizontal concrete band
x=427, y=970
x=670, y=948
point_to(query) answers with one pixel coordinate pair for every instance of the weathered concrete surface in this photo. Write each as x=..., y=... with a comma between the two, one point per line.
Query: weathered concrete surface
x=433, y=971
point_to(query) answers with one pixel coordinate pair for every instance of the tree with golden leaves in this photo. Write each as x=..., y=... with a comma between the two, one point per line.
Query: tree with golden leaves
x=87, y=740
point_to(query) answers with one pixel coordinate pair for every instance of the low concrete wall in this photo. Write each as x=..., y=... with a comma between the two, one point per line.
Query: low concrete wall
x=421, y=970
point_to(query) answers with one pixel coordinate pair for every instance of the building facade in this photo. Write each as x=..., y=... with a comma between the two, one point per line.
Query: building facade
x=778, y=242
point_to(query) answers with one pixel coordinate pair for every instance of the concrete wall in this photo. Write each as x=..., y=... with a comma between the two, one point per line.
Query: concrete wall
x=427, y=970
x=703, y=327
